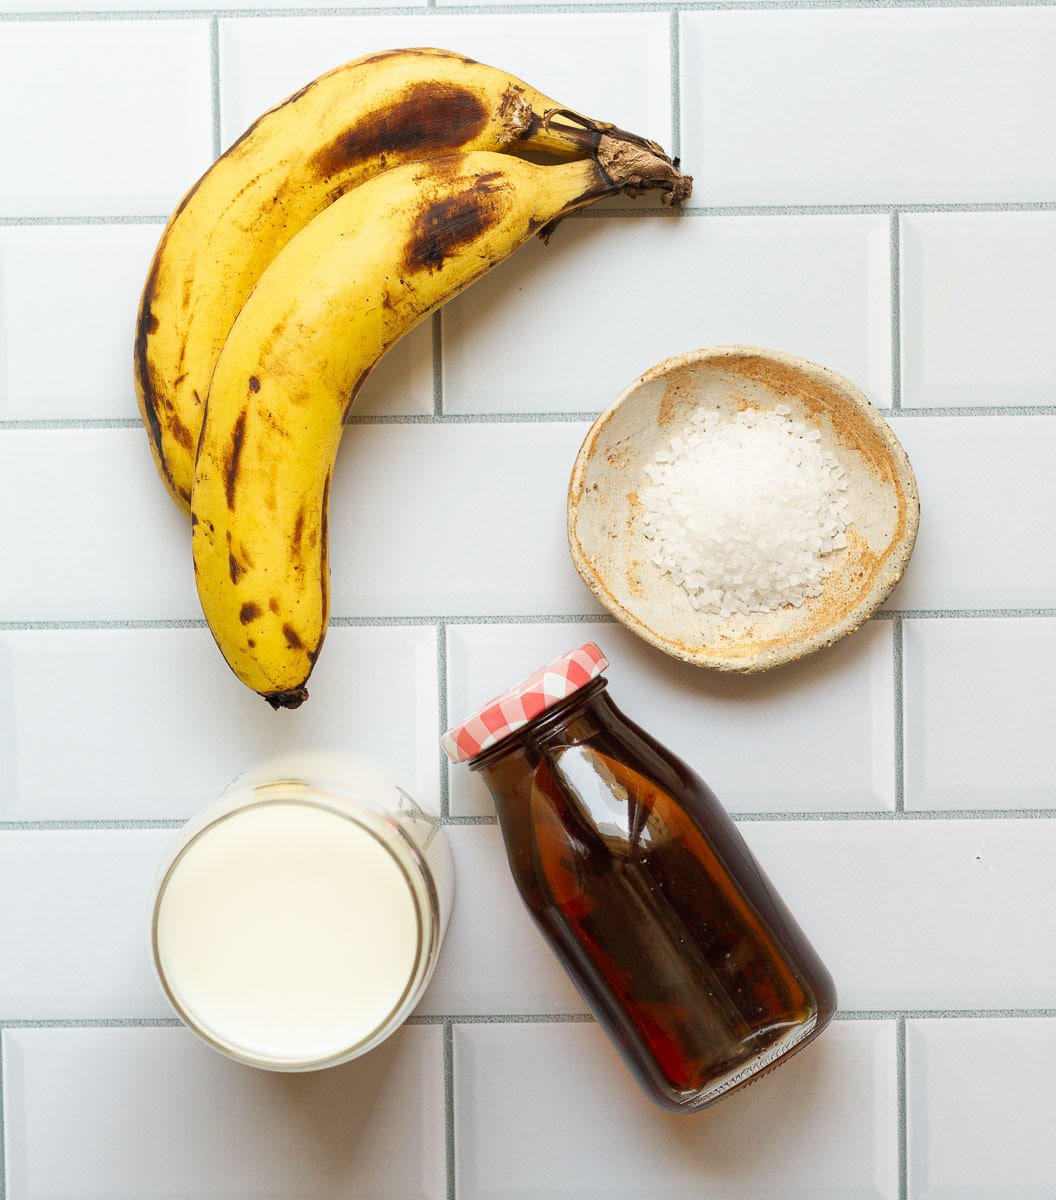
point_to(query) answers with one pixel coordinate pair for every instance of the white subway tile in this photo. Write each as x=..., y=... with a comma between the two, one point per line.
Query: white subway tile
x=906, y=914
x=921, y=914
x=108, y=117
x=986, y=485
x=90, y=529
x=567, y=326
x=74, y=923
x=454, y=519
x=402, y=383
x=614, y=67
x=494, y=960
x=96, y=537
x=871, y=106
x=98, y=716
x=549, y=1110
x=978, y=308
x=142, y=1114
x=69, y=295
x=817, y=735
x=980, y=698
x=980, y=1099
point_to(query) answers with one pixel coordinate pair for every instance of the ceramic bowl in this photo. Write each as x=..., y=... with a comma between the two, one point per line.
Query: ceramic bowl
x=607, y=536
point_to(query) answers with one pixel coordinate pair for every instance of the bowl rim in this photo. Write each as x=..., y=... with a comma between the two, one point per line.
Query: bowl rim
x=888, y=576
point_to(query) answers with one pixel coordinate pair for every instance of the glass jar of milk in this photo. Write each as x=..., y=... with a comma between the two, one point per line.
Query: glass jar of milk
x=297, y=919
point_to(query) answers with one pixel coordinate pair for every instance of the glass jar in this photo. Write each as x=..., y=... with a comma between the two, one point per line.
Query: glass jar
x=297, y=919
x=644, y=888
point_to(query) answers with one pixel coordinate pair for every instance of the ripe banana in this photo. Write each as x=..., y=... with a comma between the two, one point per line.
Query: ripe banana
x=369, y=115
x=352, y=282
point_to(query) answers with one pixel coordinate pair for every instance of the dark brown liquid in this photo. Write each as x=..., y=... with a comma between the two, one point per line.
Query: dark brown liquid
x=654, y=904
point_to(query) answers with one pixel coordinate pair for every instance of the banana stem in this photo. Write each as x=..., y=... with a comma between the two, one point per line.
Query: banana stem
x=630, y=162
x=634, y=164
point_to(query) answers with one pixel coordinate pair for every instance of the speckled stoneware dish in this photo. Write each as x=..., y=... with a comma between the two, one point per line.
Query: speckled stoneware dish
x=606, y=532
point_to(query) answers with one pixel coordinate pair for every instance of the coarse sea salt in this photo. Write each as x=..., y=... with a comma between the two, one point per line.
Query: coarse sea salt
x=745, y=511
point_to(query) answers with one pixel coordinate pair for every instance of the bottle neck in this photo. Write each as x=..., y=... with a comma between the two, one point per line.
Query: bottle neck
x=548, y=722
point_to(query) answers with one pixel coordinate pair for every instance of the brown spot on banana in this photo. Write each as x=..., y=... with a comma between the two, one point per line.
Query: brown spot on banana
x=248, y=612
x=254, y=383
x=297, y=542
x=180, y=432
x=146, y=324
x=452, y=221
x=292, y=637
x=273, y=604
x=234, y=458
x=427, y=118
x=234, y=568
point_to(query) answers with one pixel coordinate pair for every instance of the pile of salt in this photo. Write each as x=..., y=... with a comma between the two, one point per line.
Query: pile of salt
x=746, y=510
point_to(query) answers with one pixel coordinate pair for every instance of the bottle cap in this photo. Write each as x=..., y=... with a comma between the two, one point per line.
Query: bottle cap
x=523, y=702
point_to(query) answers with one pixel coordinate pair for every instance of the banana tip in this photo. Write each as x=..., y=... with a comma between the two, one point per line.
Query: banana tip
x=290, y=698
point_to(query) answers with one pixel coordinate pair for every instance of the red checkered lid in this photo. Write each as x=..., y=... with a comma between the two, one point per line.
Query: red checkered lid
x=524, y=702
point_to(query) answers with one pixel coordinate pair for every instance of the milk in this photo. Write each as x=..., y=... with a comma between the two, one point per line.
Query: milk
x=295, y=926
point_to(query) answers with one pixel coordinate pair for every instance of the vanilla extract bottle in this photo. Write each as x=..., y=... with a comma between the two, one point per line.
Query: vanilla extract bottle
x=644, y=888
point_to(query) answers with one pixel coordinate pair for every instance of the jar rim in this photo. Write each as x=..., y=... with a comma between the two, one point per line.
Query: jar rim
x=524, y=702
x=542, y=724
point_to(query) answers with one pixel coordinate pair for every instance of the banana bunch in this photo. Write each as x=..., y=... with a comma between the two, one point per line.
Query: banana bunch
x=338, y=221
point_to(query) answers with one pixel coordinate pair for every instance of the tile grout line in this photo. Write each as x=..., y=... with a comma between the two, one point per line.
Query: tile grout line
x=847, y=816
x=214, y=81
x=414, y=621
x=896, y=311
x=861, y=209
x=438, y=418
x=449, y=1020
x=616, y=214
x=904, y=815
x=129, y=219
x=93, y=825
x=982, y=410
x=603, y=8
x=95, y=1023
x=900, y=1083
x=449, y=1108
x=453, y=1019
x=441, y=708
x=898, y=666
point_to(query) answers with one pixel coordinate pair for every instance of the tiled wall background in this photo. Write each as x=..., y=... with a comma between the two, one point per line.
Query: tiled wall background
x=876, y=189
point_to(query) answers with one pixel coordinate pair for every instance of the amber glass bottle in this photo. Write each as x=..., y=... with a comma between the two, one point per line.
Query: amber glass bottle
x=650, y=898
